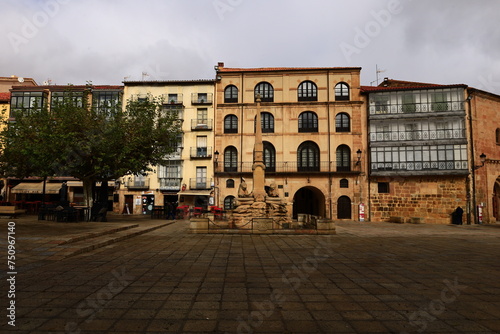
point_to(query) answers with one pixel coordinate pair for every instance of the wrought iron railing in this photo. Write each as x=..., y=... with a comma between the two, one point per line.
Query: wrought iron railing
x=290, y=167
x=201, y=152
x=201, y=124
x=205, y=98
x=137, y=183
x=200, y=183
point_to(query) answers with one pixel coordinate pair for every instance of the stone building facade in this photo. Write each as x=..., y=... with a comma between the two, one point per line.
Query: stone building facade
x=312, y=123
x=425, y=145
x=418, y=151
x=484, y=122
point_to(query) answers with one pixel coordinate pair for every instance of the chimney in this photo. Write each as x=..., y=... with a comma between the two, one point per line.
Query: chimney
x=220, y=64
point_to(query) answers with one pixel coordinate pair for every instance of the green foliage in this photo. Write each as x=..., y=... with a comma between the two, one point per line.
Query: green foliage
x=77, y=139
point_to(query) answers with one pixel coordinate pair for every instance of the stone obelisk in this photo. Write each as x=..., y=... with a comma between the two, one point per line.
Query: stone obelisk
x=258, y=167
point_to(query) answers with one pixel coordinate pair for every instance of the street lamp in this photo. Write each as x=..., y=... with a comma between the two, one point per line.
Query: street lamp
x=482, y=158
x=216, y=158
x=358, y=152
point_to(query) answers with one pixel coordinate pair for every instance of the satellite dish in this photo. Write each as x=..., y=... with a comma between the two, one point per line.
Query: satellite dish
x=20, y=79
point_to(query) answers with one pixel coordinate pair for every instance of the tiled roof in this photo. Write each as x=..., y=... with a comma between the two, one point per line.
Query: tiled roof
x=277, y=69
x=5, y=97
x=157, y=82
x=392, y=85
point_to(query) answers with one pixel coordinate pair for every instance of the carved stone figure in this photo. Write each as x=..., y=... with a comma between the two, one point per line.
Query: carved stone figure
x=242, y=190
x=272, y=191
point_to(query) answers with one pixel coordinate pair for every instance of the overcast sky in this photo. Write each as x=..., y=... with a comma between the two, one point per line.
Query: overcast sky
x=105, y=41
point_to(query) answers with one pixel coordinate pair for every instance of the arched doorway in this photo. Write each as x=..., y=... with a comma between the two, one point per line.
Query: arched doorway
x=309, y=200
x=496, y=200
x=344, y=208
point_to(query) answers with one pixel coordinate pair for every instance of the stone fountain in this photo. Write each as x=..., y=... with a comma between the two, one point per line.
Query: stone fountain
x=265, y=209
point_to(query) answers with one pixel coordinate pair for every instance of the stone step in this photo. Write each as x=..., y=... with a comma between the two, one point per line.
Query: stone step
x=107, y=238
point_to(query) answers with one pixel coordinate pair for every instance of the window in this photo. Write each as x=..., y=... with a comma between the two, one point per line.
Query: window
x=267, y=122
x=201, y=147
x=383, y=187
x=230, y=159
x=173, y=98
x=308, y=157
x=269, y=157
x=343, y=158
x=230, y=124
x=202, y=115
x=229, y=203
x=201, y=178
x=76, y=98
x=342, y=122
x=266, y=92
x=231, y=94
x=230, y=183
x=497, y=136
x=408, y=103
x=439, y=101
x=25, y=102
x=341, y=92
x=307, y=91
x=308, y=122
x=344, y=183
x=170, y=175
x=106, y=101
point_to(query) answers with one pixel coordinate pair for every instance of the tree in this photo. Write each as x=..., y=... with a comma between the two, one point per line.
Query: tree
x=77, y=138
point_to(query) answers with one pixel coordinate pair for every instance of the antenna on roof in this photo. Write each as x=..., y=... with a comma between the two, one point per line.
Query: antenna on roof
x=144, y=74
x=377, y=71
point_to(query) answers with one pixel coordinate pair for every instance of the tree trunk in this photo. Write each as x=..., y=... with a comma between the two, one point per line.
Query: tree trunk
x=88, y=195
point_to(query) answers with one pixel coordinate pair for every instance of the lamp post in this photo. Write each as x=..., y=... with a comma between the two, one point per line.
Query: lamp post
x=216, y=167
x=358, y=153
x=482, y=158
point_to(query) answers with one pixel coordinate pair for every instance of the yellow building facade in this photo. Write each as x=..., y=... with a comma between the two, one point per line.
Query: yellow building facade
x=187, y=178
x=314, y=145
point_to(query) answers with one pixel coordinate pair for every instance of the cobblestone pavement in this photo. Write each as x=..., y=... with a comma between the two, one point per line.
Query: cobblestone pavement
x=369, y=278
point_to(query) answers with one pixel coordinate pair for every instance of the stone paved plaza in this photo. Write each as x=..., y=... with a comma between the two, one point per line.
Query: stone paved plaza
x=369, y=278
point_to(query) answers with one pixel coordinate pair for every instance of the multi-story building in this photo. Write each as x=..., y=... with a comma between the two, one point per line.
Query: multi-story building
x=26, y=98
x=312, y=123
x=187, y=177
x=484, y=121
x=422, y=164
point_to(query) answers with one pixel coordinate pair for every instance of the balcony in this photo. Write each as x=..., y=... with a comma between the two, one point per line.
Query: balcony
x=200, y=184
x=137, y=183
x=170, y=184
x=290, y=167
x=201, y=124
x=445, y=134
x=202, y=98
x=411, y=108
x=173, y=99
x=201, y=153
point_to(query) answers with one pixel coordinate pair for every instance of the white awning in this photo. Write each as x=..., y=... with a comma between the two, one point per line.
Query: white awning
x=195, y=193
x=36, y=188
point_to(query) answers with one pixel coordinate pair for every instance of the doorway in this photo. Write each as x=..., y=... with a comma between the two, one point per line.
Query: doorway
x=309, y=200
